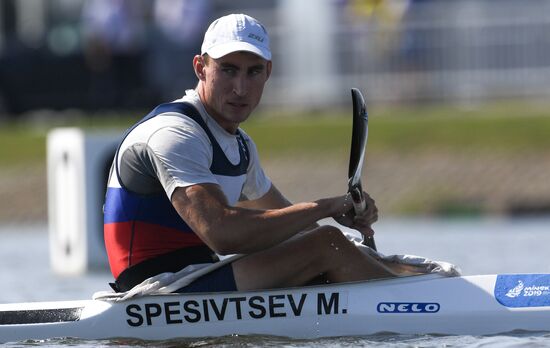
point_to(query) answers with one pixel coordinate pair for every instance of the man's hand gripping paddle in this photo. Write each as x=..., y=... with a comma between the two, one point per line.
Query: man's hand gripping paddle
x=359, y=135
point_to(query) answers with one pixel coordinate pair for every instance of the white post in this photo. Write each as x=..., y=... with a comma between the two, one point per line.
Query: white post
x=77, y=167
x=308, y=51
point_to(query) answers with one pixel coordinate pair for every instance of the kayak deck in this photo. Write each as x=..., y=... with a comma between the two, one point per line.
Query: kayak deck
x=475, y=305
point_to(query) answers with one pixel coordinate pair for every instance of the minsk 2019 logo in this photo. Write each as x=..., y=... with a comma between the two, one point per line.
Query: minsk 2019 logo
x=523, y=290
x=515, y=291
x=528, y=291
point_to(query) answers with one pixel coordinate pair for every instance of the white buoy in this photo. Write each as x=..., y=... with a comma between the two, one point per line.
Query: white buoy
x=78, y=165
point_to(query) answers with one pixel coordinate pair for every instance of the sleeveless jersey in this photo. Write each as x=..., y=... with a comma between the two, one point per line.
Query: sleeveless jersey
x=140, y=222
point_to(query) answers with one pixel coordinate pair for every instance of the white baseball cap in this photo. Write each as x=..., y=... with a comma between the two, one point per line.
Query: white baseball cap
x=236, y=32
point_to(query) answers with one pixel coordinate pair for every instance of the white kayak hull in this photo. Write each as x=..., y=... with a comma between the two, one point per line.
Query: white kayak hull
x=429, y=304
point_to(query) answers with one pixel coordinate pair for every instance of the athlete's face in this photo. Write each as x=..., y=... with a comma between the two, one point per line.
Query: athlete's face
x=231, y=87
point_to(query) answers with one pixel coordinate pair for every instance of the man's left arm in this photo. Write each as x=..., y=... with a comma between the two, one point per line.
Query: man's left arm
x=273, y=199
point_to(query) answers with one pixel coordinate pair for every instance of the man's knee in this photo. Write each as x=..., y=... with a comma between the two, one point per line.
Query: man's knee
x=330, y=236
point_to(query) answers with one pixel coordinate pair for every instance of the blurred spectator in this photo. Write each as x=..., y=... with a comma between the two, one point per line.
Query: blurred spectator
x=384, y=11
x=113, y=41
x=178, y=27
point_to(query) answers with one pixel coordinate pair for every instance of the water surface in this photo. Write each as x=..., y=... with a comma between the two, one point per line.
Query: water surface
x=477, y=246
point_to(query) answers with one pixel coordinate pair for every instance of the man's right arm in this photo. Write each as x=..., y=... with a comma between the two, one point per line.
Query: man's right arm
x=237, y=230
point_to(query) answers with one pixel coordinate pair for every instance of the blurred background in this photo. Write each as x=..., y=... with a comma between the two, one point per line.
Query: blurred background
x=457, y=93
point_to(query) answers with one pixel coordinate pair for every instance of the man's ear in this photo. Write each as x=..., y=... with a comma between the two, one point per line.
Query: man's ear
x=198, y=65
x=268, y=69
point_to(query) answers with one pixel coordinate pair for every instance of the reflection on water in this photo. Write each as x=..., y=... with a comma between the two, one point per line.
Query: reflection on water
x=385, y=340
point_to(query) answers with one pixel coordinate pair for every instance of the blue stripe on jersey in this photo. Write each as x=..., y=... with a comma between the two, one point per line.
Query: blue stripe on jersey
x=124, y=206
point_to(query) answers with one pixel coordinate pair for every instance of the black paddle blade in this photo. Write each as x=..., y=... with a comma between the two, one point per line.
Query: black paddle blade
x=359, y=135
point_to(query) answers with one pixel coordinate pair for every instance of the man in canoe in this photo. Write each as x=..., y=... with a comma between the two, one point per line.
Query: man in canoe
x=187, y=186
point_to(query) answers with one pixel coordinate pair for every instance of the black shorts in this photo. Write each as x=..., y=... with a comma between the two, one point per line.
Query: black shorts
x=221, y=279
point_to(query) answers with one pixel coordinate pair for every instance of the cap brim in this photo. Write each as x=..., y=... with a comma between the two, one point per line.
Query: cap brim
x=219, y=51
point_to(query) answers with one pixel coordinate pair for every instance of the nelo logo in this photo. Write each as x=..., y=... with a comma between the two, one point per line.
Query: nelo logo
x=408, y=307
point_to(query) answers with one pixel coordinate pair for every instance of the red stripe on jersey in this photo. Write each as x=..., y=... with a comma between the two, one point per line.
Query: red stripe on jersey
x=132, y=242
